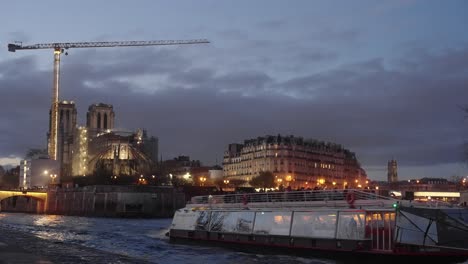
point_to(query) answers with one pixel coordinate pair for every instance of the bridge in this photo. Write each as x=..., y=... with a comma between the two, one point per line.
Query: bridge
x=41, y=196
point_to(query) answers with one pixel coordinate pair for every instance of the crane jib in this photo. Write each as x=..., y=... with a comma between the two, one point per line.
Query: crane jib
x=66, y=45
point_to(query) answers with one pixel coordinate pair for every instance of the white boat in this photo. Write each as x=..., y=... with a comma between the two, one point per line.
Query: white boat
x=332, y=221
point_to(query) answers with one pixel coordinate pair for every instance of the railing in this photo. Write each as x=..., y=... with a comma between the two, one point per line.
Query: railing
x=349, y=196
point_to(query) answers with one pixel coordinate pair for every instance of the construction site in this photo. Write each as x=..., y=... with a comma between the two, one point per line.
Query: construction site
x=75, y=150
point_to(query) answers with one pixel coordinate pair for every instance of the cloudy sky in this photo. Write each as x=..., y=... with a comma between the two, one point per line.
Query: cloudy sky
x=386, y=79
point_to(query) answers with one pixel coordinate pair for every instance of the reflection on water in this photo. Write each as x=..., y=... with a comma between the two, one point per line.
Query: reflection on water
x=140, y=238
x=45, y=220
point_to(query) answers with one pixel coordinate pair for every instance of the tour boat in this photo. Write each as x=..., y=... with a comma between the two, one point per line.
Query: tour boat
x=353, y=222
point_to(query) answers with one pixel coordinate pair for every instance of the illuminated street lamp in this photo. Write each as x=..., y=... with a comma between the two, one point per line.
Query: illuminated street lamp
x=52, y=177
x=142, y=180
x=202, y=180
x=226, y=181
x=279, y=181
x=170, y=179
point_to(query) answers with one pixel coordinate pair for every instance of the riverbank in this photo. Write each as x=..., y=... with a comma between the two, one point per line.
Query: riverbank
x=19, y=247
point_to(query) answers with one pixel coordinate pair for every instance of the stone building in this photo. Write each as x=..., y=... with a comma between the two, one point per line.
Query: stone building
x=100, y=118
x=67, y=117
x=295, y=162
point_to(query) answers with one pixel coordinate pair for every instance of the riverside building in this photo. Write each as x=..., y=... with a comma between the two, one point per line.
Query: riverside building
x=295, y=162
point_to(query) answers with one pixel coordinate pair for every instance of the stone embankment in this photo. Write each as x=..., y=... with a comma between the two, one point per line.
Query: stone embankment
x=103, y=200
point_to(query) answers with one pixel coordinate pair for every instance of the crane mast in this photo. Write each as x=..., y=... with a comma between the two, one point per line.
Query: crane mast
x=59, y=49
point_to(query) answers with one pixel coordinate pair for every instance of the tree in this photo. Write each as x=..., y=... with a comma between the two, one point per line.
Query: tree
x=178, y=182
x=264, y=180
x=2, y=172
x=237, y=182
x=458, y=181
x=11, y=178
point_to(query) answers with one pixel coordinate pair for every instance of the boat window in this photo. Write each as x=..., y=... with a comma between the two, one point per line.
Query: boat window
x=203, y=221
x=375, y=220
x=235, y=222
x=272, y=223
x=185, y=220
x=351, y=225
x=314, y=224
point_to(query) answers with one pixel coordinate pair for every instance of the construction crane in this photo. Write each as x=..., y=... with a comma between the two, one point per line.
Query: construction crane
x=60, y=48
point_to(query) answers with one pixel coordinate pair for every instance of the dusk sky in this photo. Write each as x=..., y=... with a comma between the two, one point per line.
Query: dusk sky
x=386, y=79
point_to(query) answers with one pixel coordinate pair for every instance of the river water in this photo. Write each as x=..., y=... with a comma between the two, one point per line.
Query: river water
x=137, y=238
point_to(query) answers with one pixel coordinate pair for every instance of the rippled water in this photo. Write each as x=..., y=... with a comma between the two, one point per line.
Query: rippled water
x=139, y=238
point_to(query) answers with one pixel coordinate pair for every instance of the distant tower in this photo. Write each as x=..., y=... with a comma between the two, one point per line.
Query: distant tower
x=65, y=136
x=100, y=117
x=392, y=175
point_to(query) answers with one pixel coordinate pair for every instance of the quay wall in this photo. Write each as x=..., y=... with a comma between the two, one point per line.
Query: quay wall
x=115, y=201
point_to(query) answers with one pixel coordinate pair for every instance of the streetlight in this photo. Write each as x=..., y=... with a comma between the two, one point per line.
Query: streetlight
x=142, y=180
x=53, y=176
x=170, y=179
x=279, y=180
x=202, y=180
x=226, y=181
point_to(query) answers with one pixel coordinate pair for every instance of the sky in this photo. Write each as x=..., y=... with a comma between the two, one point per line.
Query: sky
x=386, y=79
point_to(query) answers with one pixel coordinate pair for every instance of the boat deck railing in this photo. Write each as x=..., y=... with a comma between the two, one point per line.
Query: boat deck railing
x=346, y=197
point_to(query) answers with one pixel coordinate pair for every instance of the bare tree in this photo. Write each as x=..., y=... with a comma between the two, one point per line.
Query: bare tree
x=264, y=180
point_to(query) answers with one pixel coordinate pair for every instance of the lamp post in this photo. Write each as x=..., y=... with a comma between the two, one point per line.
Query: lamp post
x=289, y=179
x=202, y=180
x=279, y=181
x=52, y=177
x=226, y=183
x=142, y=180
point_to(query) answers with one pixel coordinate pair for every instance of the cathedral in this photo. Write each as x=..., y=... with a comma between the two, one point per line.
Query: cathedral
x=81, y=150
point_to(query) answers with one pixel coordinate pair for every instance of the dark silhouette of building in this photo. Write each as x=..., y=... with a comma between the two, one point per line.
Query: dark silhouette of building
x=392, y=173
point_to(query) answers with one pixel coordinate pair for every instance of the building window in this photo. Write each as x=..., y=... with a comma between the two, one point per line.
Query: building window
x=105, y=120
x=99, y=120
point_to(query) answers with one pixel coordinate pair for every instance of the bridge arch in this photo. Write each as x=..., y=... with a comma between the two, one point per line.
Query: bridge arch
x=40, y=196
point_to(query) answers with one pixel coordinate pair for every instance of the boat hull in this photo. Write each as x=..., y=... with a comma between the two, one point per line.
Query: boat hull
x=349, y=250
